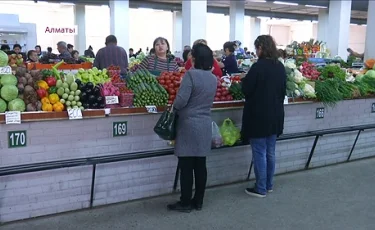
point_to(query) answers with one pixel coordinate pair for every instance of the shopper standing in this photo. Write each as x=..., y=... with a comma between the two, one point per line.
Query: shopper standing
x=193, y=138
x=263, y=116
x=112, y=54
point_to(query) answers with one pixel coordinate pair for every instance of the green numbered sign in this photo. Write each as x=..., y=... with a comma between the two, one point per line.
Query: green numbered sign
x=120, y=128
x=17, y=139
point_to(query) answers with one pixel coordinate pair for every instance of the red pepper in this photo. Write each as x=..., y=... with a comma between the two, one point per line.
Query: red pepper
x=41, y=93
x=51, y=81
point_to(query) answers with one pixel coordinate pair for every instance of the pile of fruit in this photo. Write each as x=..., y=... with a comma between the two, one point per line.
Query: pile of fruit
x=171, y=82
x=309, y=71
x=93, y=75
x=146, y=89
x=69, y=92
x=16, y=60
x=222, y=92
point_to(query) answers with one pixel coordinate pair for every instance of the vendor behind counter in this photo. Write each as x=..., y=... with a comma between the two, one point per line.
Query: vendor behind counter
x=161, y=61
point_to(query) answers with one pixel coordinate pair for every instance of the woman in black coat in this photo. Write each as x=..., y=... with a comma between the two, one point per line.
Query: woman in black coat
x=263, y=116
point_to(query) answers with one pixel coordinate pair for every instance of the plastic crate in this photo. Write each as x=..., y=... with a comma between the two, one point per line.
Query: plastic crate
x=126, y=99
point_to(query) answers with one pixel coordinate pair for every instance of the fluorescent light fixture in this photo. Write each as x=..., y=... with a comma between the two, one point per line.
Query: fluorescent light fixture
x=314, y=6
x=353, y=24
x=258, y=1
x=286, y=3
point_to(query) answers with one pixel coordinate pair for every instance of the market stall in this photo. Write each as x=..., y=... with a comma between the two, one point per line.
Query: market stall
x=74, y=119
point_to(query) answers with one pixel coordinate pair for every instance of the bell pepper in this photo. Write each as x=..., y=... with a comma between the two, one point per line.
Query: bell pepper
x=51, y=81
x=41, y=93
x=58, y=107
x=52, y=90
x=47, y=107
x=53, y=98
x=45, y=100
x=42, y=84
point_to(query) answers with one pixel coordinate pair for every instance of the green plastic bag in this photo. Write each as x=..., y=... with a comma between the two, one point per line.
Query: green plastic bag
x=229, y=132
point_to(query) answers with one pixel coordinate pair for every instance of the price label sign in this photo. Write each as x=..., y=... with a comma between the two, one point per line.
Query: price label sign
x=110, y=100
x=120, y=128
x=286, y=100
x=74, y=114
x=151, y=109
x=319, y=113
x=6, y=70
x=13, y=117
x=17, y=139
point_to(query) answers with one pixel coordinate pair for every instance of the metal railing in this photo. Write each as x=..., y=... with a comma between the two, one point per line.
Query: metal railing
x=94, y=161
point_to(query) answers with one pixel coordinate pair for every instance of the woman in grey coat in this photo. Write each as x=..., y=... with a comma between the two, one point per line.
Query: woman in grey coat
x=193, y=135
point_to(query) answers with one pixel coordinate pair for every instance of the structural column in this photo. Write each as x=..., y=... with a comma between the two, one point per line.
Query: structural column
x=119, y=13
x=237, y=18
x=338, y=27
x=370, y=31
x=80, y=22
x=194, y=21
x=177, y=31
x=323, y=25
x=255, y=28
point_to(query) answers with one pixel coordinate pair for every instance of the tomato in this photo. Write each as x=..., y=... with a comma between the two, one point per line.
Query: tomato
x=168, y=82
x=162, y=82
x=225, y=92
x=229, y=98
x=222, y=98
x=171, y=78
x=217, y=99
x=165, y=87
x=172, y=97
x=218, y=94
x=171, y=86
x=170, y=102
x=172, y=91
x=177, y=83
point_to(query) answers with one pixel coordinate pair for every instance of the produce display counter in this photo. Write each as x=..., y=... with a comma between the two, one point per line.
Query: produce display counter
x=64, y=66
x=46, y=137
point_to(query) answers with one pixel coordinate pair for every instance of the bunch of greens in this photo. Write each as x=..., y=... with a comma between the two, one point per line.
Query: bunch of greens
x=332, y=71
x=333, y=90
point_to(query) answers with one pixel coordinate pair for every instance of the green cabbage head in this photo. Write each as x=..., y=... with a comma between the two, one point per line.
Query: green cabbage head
x=17, y=105
x=9, y=92
x=3, y=59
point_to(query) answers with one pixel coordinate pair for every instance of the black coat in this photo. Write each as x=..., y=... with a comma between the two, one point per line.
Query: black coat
x=265, y=88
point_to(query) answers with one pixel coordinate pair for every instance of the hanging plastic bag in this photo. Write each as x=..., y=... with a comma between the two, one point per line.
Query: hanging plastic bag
x=229, y=132
x=217, y=140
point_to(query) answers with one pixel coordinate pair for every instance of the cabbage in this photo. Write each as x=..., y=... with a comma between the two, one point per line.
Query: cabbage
x=8, y=79
x=9, y=92
x=3, y=59
x=370, y=73
x=17, y=105
x=3, y=106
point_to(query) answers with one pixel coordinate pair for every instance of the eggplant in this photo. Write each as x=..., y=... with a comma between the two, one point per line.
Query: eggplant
x=95, y=106
x=96, y=91
x=86, y=105
x=89, y=85
x=79, y=82
x=100, y=99
x=83, y=87
x=92, y=99
x=88, y=91
x=101, y=106
x=84, y=97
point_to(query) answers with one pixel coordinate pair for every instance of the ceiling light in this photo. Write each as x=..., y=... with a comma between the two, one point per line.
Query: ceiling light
x=286, y=3
x=264, y=18
x=258, y=1
x=314, y=6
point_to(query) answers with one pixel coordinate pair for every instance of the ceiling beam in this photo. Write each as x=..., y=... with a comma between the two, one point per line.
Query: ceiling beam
x=215, y=9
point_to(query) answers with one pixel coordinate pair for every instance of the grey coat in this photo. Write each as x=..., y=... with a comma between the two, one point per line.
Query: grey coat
x=193, y=105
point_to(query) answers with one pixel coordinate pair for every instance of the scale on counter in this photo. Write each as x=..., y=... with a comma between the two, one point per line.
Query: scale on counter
x=357, y=65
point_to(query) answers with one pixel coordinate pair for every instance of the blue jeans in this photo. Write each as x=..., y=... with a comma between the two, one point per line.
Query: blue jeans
x=264, y=162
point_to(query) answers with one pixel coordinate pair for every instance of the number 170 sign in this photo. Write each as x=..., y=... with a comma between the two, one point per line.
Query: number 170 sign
x=17, y=139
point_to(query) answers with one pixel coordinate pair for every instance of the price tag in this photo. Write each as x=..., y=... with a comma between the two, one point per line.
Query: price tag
x=74, y=114
x=6, y=70
x=110, y=100
x=151, y=109
x=13, y=117
x=286, y=100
